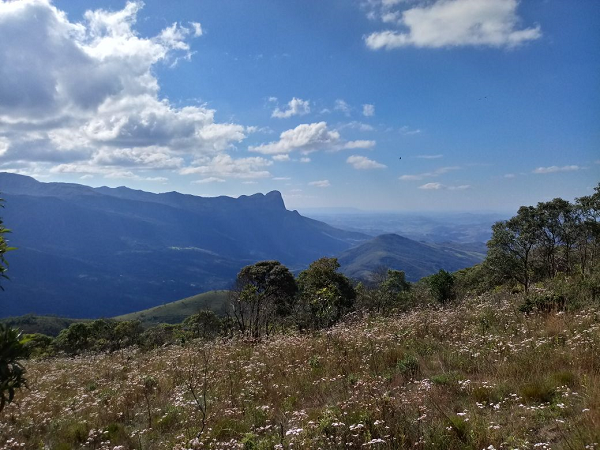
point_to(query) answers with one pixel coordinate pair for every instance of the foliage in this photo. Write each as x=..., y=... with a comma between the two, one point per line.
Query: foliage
x=441, y=285
x=12, y=372
x=543, y=241
x=204, y=324
x=264, y=293
x=3, y=247
x=387, y=291
x=98, y=335
x=325, y=294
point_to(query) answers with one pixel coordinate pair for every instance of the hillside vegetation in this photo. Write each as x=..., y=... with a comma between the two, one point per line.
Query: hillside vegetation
x=177, y=312
x=478, y=375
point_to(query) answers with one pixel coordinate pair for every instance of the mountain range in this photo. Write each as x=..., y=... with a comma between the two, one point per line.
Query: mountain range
x=100, y=252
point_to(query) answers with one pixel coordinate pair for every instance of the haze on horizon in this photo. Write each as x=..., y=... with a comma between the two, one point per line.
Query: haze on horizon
x=371, y=104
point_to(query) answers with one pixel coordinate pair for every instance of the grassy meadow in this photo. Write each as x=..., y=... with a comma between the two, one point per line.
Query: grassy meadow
x=477, y=375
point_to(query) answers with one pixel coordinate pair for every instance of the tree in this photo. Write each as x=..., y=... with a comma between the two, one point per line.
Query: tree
x=510, y=250
x=3, y=247
x=325, y=294
x=387, y=289
x=12, y=372
x=441, y=286
x=205, y=324
x=264, y=294
x=588, y=237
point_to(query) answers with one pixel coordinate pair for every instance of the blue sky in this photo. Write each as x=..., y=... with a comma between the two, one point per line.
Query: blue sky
x=490, y=104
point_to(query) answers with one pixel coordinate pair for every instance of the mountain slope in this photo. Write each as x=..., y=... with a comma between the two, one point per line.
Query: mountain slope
x=178, y=311
x=416, y=259
x=86, y=252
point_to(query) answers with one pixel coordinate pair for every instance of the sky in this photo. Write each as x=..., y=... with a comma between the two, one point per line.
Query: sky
x=387, y=105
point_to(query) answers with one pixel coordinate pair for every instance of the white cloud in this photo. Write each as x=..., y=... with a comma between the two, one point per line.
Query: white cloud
x=85, y=95
x=295, y=107
x=341, y=105
x=305, y=160
x=407, y=131
x=554, y=169
x=307, y=138
x=431, y=186
x=197, y=29
x=440, y=186
x=224, y=166
x=362, y=163
x=320, y=183
x=429, y=156
x=510, y=175
x=281, y=178
x=368, y=110
x=283, y=157
x=435, y=173
x=359, y=144
x=304, y=138
x=209, y=180
x=452, y=23
x=357, y=126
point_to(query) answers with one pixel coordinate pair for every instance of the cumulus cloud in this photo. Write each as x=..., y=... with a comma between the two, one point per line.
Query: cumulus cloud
x=295, y=107
x=364, y=163
x=451, y=23
x=305, y=138
x=554, y=169
x=368, y=110
x=320, y=183
x=435, y=173
x=84, y=96
x=282, y=157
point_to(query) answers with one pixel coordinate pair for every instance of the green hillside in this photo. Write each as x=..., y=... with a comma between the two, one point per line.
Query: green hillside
x=31, y=323
x=176, y=312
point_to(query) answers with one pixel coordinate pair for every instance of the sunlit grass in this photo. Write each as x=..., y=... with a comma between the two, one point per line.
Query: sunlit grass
x=480, y=375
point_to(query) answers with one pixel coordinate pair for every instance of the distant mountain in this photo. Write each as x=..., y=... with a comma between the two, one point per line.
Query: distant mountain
x=92, y=252
x=416, y=259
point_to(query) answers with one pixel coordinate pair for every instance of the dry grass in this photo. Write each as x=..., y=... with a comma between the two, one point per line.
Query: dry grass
x=479, y=375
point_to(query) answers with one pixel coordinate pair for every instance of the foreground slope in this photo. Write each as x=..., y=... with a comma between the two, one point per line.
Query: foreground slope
x=480, y=375
x=416, y=259
x=85, y=252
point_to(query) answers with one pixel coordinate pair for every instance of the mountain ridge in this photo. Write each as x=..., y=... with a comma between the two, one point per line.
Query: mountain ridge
x=119, y=250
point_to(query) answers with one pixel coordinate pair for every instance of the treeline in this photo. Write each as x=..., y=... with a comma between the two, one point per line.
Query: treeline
x=265, y=299
x=543, y=241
